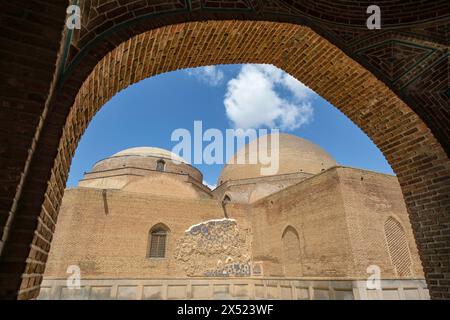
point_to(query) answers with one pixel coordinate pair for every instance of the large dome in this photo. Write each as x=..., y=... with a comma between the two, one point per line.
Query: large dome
x=295, y=155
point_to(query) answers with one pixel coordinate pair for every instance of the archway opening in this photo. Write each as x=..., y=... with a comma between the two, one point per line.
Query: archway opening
x=406, y=142
x=129, y=122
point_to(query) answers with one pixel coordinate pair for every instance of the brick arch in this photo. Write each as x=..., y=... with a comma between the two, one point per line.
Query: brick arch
x=291, y=252
x=159, y=226
x=407, y=143
x=397, y=247
x=403, y=135
x=158, y=249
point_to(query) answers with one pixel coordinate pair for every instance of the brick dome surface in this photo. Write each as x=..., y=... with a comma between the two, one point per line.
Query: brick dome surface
x=144, y=158
x=295, y=155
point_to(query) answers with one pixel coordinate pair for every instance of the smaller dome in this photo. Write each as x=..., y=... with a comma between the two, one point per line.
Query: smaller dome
x=141, y=161
x=149, y=152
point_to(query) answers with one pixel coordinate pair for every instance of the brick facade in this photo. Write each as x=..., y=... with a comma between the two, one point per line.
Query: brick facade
x=392, y=83
x=326, y=227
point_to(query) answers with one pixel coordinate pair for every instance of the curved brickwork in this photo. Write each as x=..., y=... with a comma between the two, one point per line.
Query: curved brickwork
x=408, y=145
x=401, y=102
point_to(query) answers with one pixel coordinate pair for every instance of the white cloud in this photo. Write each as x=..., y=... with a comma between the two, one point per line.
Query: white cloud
x=210, y=75
x=254, y=99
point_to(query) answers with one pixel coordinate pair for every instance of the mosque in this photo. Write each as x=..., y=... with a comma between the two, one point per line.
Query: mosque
x=142, y=225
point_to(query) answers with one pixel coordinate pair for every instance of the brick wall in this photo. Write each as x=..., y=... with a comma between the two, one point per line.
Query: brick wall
x=113, y=244
x=339, y=216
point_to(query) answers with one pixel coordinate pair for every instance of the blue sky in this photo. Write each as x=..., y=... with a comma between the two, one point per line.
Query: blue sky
x=222, y=97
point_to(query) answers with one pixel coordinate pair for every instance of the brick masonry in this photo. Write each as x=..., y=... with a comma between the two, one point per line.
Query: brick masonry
x=329, y=227
x=392, y=83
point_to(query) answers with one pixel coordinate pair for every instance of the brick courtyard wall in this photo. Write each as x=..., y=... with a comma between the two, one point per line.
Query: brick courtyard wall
x=392, y=83
x=114, y=244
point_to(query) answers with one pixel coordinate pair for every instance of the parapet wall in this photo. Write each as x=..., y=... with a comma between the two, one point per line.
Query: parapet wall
x=233, y=289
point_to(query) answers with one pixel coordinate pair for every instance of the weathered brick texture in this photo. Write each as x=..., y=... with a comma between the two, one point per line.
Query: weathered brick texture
x=392, y=83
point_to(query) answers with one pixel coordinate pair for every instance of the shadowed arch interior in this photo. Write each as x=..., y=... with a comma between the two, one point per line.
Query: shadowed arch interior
x=290, y=241
x=160, y=165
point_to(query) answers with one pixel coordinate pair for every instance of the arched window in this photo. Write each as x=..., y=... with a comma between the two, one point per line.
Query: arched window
x=161, y=165
x=226, y=199
x=398, y=247
x=158, y=241
x=291, y=252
